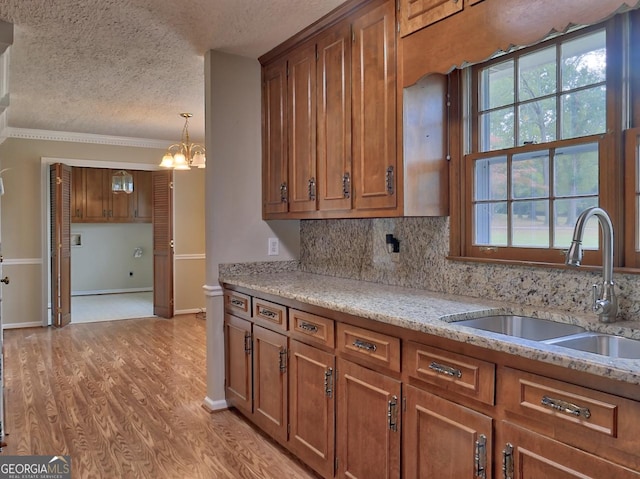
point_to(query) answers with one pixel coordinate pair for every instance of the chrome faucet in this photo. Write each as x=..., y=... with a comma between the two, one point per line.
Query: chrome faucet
x=605, y=303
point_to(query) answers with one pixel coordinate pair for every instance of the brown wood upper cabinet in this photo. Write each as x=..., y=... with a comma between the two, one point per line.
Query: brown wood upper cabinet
x=94, y=202
x=329, y=125
x=417, y=14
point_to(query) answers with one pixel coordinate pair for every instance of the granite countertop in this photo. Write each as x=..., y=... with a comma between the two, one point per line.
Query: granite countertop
x=436, y=314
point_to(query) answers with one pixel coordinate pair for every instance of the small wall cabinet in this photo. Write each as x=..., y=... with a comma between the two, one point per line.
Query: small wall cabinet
x=92, y=200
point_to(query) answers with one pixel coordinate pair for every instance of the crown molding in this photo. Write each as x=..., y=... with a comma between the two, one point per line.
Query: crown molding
x=49, y=135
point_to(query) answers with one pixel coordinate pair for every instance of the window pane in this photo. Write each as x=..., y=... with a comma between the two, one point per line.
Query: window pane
x=496, y=129
x=576, y=170
x=537, y=74
x=491, y=224
x=566, y=213
x=530, y=224
x=537, y=121
x=584, y=61
x=584, y=112
x=530, y=175
x=496, y=85
x=491, y=179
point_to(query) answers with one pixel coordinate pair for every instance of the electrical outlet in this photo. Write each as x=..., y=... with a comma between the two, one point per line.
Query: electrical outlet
x=273, y=248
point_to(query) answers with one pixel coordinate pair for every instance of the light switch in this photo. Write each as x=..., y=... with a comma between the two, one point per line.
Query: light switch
x=273, y=248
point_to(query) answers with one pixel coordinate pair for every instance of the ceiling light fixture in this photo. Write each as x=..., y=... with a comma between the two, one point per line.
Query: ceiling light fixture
x=122, y=182
x=184, y=155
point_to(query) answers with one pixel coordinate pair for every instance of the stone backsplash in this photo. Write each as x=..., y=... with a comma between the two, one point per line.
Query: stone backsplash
x=356, y=249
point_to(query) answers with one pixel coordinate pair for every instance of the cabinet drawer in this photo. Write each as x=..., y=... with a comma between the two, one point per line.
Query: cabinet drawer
x=560, y=404
x=369, y=347
x=309, y=327
x=454, y=372
x=270, y=315
x=237, y=304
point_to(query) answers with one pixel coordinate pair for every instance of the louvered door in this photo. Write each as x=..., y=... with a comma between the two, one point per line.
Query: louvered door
x=60, y=176
x=162, y=189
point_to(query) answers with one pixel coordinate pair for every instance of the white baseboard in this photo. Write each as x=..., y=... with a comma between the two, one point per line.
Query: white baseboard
x=34, y=324
x=189, y=311
x=213, y=406
x=112, y=291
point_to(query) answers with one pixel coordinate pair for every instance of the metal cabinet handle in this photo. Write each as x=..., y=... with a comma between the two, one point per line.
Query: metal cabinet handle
x=328, y=383
x=247, y=344
x=360, y=344
x=312, y=189
x=480, y=457
x=283, y=192
x=237, y=302
x=507, y=462
x=564, y=406
x=283, y=361
x=308, y=327
x=266, y=312
x=446, y=370
x=392, y=414
x=346, y=185
x=390, y=180
x=5, y=280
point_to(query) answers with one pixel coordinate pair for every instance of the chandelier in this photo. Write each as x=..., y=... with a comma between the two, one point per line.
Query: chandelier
x=184, y=155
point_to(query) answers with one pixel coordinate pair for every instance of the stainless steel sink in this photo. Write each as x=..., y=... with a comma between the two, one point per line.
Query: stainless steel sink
x=604, y=344
x=522, y=327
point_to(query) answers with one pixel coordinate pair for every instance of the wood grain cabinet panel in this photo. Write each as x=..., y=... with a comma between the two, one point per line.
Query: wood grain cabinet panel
x=523, y=454
x=238, y=380
x=311, y=328
x=270, y=315
x=444, y=439
x=368, y=432
x=417, y=14
x=142, y=196
x=312, y=407
x=238, y=304
x=369, y=347
x=270, y=379
x=375, y=165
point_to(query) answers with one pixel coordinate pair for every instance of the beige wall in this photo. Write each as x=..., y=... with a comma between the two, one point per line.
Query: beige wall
x=21, y=219
x=235, y=231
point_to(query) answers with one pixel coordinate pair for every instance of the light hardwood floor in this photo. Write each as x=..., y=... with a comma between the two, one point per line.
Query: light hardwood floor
x=123, y=399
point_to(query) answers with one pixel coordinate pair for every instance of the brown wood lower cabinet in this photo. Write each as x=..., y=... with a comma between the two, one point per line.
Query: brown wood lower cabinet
x=270, y=382
x=444, y=439
x=368, y=432
x=238, y=380
x=527, y=455
x=312, y=407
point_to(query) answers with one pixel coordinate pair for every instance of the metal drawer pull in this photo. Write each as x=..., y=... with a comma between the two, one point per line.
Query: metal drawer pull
x=237, y=302
x=360, y=344
x=265, y=312
x=564, y=406
x=480, y=457
x=446, y=370
x=310, y=328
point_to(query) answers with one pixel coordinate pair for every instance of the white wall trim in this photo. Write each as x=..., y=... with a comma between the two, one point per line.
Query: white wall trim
x=21, y=261
x=180, y=257
x=112, y=291
x=213, y=406
x=49, y=160
x=212, y=291
x=49, y=135
x=34, y=324
x=178, y=312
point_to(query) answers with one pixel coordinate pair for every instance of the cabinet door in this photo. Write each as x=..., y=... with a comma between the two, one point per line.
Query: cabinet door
x=527, y=455
x=270, y=382
x=95, y=202
x=77, y=194
x=312, y=407
x=375, y=169
x=443, y=439
x=237, y=343
x=142, y=196
x=334, y=119
x=274, y=139
x=301, y=103
x=368, y=423
x=416, y=14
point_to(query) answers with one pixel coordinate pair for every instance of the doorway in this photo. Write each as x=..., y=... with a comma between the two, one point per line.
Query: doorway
x=114, y=261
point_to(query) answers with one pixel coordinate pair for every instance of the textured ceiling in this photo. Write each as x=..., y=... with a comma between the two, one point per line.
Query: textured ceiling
x=128, y=67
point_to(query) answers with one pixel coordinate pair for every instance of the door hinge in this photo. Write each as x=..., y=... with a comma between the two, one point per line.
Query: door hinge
x=58, y=180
